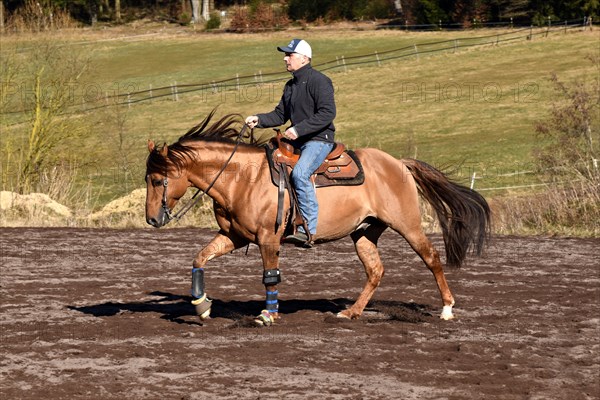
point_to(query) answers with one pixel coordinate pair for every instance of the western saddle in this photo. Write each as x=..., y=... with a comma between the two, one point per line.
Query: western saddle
x=341, y=167
x=339, y=163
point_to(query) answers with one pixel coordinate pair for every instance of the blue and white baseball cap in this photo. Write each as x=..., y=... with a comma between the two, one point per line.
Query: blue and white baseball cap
x=297, y=46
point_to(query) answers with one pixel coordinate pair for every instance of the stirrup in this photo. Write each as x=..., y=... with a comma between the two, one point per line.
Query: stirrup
x=264, y=319
x=299, y=239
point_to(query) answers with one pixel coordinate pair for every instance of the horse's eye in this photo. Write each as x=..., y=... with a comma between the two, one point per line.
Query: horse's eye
x=157, y=182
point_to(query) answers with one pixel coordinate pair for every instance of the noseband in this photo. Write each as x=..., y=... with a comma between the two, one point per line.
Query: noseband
x=195, y=198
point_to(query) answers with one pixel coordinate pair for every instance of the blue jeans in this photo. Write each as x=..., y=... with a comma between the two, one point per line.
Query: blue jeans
x=312, y=156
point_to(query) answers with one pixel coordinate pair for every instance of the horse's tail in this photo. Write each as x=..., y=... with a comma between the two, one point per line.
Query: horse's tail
x=464, y=215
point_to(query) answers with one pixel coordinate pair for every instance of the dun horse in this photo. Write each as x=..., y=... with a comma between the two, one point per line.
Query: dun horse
x=237, y=178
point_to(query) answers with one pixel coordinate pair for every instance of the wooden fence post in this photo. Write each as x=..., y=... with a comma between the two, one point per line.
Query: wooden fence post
x=473, y=180
x=174, y=91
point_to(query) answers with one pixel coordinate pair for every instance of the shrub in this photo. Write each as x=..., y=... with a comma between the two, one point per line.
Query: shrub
x=313, y=10
x=568, y=158
x=571, y=134
x=214, y=22
x=185, y=18
x=33, y=157
x=259, y=16
x=36, y=17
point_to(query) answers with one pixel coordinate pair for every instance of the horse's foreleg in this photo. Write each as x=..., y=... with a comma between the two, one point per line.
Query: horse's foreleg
x=219, y=245
x=271, y=277
x=365, y=242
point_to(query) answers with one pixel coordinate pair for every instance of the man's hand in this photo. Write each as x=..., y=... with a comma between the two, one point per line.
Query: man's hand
x=290, y=133
x=252, y=121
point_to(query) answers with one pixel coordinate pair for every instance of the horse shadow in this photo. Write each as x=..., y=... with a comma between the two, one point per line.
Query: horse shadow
x=178, y=308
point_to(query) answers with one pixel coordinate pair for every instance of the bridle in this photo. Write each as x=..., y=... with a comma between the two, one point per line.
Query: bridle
x=195, y=198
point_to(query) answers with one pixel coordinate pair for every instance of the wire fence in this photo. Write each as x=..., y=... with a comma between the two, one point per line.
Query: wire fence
x=175, y=90
x=475, y=24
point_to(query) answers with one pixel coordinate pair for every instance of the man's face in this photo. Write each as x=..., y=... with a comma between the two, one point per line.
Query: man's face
x=294, y=61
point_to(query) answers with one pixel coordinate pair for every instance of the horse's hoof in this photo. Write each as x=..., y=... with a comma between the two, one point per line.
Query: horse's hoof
x=447, y=314
x=265, y=318
x=203, y=307
x=341, y=314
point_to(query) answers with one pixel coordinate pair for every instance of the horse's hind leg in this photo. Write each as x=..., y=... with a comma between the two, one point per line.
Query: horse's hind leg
x=365, y=242
x=424, y=248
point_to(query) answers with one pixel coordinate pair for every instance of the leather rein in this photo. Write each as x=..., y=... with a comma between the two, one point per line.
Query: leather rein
x=195, y=198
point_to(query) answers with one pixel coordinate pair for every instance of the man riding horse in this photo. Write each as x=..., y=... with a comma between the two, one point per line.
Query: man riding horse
x=308, y=103
x=386, y=197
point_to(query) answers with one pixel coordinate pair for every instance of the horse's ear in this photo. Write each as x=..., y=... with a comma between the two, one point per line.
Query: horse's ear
x=151, y=146
x=164, y=150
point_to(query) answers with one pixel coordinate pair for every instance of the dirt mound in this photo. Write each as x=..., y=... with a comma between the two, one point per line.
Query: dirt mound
x=35, y=208
x=132, y=203
x=127, y=210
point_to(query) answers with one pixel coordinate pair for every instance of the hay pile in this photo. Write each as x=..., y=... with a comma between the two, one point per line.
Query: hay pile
x=38, y=209
x=35, y=209
x=127, y=211
x=130, y=212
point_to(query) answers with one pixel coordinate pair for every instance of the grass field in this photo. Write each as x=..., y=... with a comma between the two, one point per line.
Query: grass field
x=473, y=109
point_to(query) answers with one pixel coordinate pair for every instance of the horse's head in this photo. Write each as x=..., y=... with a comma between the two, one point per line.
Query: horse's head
x=163, y=187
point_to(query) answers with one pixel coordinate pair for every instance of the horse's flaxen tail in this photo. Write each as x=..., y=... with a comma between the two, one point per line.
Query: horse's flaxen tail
x=464, y=215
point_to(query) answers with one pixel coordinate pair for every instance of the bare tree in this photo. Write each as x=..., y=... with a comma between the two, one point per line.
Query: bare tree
x=205, y=10
x=1, y=16
x=118, y=10
x=195, y=11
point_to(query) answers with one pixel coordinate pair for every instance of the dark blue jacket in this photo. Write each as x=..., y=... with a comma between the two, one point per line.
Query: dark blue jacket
x=308, y=103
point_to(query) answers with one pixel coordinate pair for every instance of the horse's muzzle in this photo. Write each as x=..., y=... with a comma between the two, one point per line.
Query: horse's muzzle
x=160, y=220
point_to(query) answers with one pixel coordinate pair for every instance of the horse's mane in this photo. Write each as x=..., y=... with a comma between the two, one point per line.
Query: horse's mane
x=180, y=152
x=221, y=131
